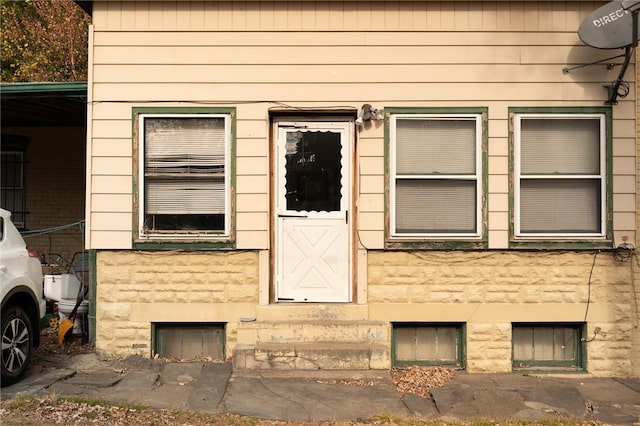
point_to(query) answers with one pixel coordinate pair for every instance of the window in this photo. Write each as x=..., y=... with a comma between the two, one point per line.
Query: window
x=12, y=169
x=436, y=175
x=184, y=174
x=428, y=344
x=189, y=340
x=547, y=346
x=560, y=176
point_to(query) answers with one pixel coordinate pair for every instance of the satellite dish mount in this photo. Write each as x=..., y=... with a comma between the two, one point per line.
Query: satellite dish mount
x=608, y=28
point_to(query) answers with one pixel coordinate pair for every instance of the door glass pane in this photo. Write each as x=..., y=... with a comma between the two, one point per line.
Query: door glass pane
x=313, y=177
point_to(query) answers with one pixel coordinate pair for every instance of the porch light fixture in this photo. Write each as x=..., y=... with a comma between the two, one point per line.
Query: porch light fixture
x=368, y=113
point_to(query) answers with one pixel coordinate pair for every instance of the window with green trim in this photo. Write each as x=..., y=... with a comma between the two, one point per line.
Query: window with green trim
x=428, y=344
x=189, y=340
x=560, y=177
x=541, y=346
x=435, y=162
x=184, y=174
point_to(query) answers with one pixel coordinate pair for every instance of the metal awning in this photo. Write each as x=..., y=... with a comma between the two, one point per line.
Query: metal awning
x=43, y=104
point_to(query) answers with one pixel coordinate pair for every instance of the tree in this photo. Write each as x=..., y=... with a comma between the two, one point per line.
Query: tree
x=43, y=40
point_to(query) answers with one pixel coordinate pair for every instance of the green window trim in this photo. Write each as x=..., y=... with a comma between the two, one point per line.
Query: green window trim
x=436, y=241
x=183, y=239
x=575, y=364
x=567, y=241
x=460, y=342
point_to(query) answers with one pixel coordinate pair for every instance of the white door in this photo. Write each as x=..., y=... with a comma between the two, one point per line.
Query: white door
x=312, y=224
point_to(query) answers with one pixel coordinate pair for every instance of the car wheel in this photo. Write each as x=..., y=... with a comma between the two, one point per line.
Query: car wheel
x=17, y=344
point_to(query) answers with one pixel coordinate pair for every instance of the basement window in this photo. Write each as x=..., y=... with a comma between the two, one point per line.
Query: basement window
x=428, y=344
x=556, y=346
x=189, y=340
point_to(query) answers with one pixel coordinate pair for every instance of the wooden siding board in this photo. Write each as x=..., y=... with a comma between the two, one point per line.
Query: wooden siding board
x=342, y=55
x=343, y=38
x=111, y=146
x=111, y=239
x=344, y=93
x=118, y=221
x=112, y=203
x=111, y=184
x=315, y=73
x=255, y=203
x=112, y=166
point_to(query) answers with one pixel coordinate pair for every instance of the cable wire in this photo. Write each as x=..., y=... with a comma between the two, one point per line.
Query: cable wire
x=38, y=232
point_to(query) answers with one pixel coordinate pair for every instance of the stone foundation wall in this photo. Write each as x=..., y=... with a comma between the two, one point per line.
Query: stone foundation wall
x=136, y=289
x=489, y=291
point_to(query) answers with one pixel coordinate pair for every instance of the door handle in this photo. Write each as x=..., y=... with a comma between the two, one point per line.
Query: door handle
x=346, y=216
x=293, y=215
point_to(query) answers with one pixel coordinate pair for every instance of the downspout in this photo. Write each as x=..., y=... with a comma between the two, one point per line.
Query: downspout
x=89, y=191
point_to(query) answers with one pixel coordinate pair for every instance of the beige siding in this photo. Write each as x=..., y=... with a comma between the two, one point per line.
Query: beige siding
x=344, y=54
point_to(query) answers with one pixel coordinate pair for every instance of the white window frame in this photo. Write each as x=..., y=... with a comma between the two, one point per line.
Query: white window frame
x=181, y=234
x=517, y=120
x=394, y=234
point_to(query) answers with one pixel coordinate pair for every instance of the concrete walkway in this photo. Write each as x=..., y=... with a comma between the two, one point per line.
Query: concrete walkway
x=321, y=397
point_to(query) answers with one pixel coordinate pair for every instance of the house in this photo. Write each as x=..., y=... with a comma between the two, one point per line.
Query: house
x=43, y=166
x=362, y=184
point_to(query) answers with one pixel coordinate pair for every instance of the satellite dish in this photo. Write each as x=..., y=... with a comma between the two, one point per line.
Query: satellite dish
x=609, y=27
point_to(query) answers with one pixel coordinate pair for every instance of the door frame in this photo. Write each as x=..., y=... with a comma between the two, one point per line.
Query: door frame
x=346, y=122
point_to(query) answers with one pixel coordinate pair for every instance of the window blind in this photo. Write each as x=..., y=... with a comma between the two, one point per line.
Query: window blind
x=435, y=205
x=560, y=205
x=184, y=165
x=425, y=147
x=560, y=146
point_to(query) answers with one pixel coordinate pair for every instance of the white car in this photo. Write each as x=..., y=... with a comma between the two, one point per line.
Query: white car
x=23, y=303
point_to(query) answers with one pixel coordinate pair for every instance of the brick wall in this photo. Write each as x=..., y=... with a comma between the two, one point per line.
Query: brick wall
x=55, y=184
x=491, y=290
x=136, y=289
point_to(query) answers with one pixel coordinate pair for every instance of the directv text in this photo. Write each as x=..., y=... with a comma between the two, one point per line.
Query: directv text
x=610, y=18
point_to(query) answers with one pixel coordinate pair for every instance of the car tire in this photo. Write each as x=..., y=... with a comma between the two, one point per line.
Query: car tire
x=17, y=343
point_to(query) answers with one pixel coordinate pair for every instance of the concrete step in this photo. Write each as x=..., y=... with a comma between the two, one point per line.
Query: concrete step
x=312, y=311
x=311, y=356
x=314, y=331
